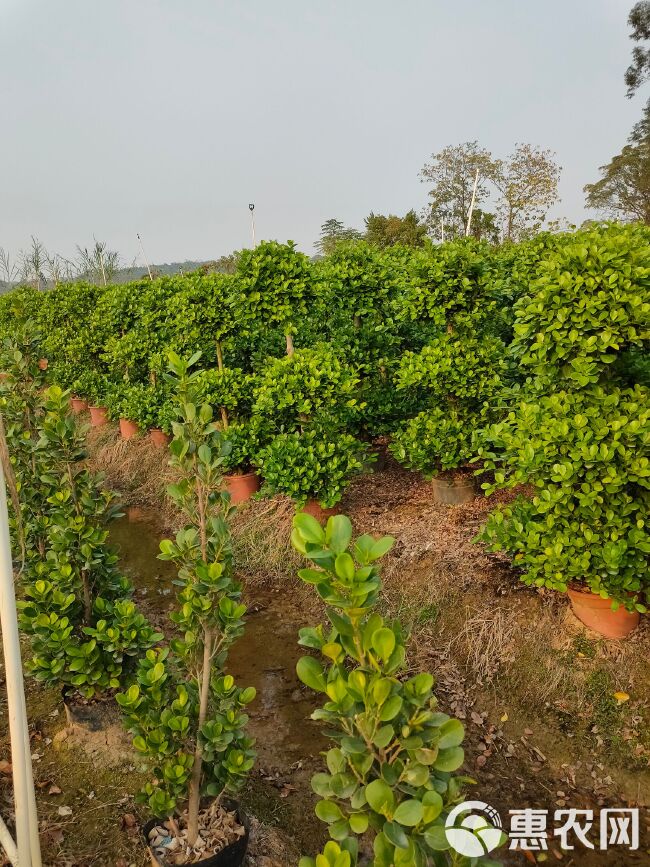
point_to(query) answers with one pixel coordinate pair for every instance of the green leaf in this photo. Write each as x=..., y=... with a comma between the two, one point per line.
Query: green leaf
x=451, y=734
x=310, y=672
x=344, y=566
x=383, y=642
x=328, y=812
x=338, y=533
x=449, y=760
x=380, y=797
x=409, y=813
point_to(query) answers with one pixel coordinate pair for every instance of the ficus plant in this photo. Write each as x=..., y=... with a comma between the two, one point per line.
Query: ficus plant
x=579, y=434
x=310, y=386
x=21, y=408
x=461, y=369
x=86, y=632
x=391, y=771
x=186, y=712
x=274, y=284
x=313, y=464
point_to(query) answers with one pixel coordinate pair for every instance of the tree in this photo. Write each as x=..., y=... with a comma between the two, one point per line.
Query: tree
x=484, y=226
x=451, y=173
x=32, y=262
x=387, y=231
x=639, y=70
x=331, y=232
x=8, y=268
x=624, y=188
x=99, y=264
x=527, y=182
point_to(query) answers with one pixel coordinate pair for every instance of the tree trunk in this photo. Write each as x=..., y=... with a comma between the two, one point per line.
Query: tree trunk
x=195, y=781
x=289, y=344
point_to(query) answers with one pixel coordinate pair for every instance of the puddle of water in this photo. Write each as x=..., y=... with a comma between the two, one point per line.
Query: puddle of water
x=265, y=657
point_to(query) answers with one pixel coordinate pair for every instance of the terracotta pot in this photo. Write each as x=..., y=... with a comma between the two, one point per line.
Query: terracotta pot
x=128, y=428
x=314, y=508
x=98, y=416
x=78, y=404
x=596, y=613
x=242, y=487
x=231, y=856
x=42, y=363
x=453, y=491
x=159, y=438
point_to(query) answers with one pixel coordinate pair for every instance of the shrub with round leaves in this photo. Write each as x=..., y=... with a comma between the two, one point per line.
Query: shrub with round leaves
x=588, y=458
x=186, y=713
x=314, y=464
x=274, y=284
x=579, y=436
x=436, y=439
x=392, y=768
x=86, y=633
x=449, y=284
x=310, y=385
x=590, y=300
x=364, y=280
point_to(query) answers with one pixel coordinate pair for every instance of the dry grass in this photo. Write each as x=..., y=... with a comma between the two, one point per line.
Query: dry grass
x=135, y=468
x=471, y=620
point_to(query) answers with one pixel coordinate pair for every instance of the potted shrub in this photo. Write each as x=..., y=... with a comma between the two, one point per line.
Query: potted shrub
x=93, y=386
x=391, y=769
x=312, y=467
x=186, y=713
x=86, y=632
x=305, y=404
x=21, y=410
x=579, y=433
x=459, y=370
x=232, y=391
x=273, y=286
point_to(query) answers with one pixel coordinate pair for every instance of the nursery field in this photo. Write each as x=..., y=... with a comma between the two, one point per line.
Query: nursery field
x=403, y=491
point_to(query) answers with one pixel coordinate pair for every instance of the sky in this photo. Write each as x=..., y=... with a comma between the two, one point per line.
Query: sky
x=168, y=117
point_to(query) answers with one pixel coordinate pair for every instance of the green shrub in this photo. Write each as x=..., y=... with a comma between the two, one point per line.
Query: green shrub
x=391, y=771
x=314, y=464
x=309, y=386
x=86, y=633
x=587, y=457
x=579, y=436
x=186, y=713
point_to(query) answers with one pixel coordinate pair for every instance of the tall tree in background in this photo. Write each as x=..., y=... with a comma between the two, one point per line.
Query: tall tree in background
x=450, y=175
x=623, y=191
x=32, y=262
x=99, y=264
x=639, y=70
x=527, y=182
x=9, y=269
x=387, y=231
x=331, y=232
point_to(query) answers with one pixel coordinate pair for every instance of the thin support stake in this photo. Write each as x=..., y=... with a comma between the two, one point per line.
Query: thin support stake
x=471, y=205
x=27, y=842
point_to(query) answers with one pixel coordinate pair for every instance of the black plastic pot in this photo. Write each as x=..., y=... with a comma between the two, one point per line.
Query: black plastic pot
x=231, y=856
x=92, y=717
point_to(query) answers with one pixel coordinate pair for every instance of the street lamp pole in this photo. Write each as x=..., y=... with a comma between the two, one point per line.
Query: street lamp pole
x=251, y=208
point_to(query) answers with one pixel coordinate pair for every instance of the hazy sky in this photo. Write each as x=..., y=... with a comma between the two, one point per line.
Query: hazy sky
x=167, y=117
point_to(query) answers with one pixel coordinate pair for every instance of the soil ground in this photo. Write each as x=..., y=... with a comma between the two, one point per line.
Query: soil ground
x=543, y=700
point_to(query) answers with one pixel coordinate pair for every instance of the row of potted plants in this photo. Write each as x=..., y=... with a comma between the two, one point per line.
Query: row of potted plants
x=185, y=712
